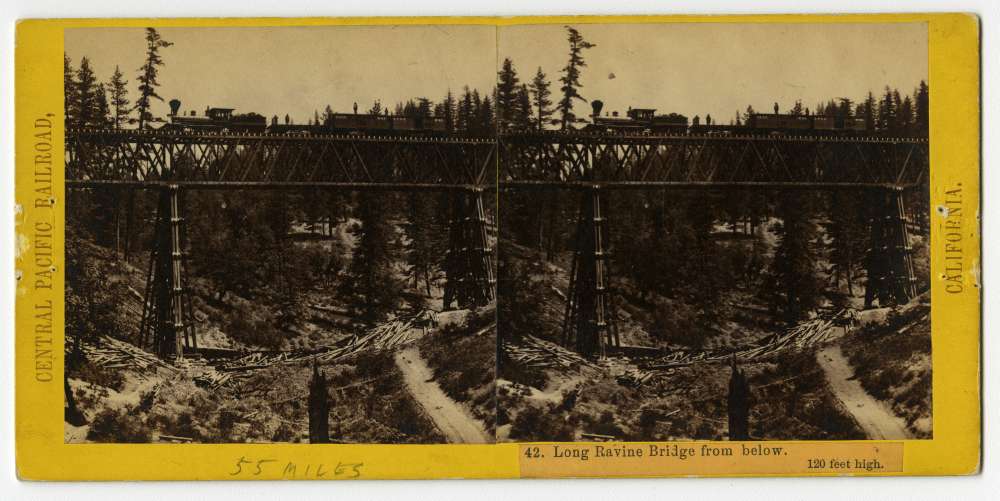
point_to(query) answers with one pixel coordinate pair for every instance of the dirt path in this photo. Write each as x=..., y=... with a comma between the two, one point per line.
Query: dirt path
x=875, y=417
x=449, y=417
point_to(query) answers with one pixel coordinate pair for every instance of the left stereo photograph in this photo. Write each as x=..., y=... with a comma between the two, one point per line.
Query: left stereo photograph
x=287, y=238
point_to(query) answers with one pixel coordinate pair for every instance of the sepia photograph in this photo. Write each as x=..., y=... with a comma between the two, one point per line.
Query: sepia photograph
x=713, y=231
x=280, y=234
x=462, y=234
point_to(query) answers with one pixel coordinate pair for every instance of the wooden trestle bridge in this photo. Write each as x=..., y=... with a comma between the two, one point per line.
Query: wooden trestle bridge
x=172, y=163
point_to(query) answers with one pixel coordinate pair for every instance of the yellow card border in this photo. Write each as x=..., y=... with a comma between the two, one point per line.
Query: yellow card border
x=954, y=79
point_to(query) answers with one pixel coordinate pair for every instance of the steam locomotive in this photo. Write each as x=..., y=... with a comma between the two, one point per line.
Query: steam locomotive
x=636, y=121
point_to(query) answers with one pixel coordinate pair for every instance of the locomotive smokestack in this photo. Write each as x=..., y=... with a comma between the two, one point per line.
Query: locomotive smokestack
x=175, y=105
x=597, y=105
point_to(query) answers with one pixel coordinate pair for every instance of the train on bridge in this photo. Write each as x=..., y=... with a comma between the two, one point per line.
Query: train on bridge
x=645, y=121
x=224, y=120
x=636, y=121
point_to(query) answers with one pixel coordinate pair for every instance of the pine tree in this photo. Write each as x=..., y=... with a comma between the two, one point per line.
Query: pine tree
x=843, y=111
x=886, y=112
x=119, y=99
x=371, y=280
x=506, y=96
x=571, y=77
x=147, y=78
x=846, y=231
x=797, y=108
x=69, y=92
x=86, y=95
x=705, y=283
x=419, y=228
x=424, y=107
x=921, y=108
x=475, y=112
x=905, y=115
x=485, y=117
x=868, y=112
x=519, y=312
x=794, y=287
x=540, y=94
x=327, y=115
x=448, y=111
x=103, y=117
x=897, y=119
x=522, y=120
x=465, y=111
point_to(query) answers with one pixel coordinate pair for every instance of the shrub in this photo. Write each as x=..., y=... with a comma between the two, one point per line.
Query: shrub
x=118, y=426
x=541, y=423
x=98, y=376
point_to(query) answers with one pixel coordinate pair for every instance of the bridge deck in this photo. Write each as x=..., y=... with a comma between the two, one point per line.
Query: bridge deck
x=411, y=161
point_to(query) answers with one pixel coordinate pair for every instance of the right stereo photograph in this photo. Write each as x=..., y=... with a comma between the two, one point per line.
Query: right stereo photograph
x=713, y=231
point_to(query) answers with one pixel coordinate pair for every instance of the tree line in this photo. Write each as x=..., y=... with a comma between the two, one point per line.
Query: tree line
x=510, y=105
x=891, y=113
x=89, y=102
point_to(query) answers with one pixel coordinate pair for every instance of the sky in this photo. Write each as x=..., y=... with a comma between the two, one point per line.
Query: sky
x=719, y=68
x=693, y=69
x=296, y=70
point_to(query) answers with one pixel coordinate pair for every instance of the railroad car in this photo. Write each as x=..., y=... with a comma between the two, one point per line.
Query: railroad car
x=224, y=120
x=354, y=122
x=646, y=121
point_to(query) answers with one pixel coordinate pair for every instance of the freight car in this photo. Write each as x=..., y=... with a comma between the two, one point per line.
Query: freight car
x=338, y=123
x=775, y=123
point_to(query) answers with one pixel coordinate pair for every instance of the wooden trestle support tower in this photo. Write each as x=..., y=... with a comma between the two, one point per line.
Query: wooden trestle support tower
x=471, y=279
x=167, y=325
x=891, y=279
x=590, y=320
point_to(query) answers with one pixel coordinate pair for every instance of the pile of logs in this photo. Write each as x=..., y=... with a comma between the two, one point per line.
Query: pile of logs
x=635, y=377
x=538, y=353
x=214, y=379
x=531, y=351
x=111, y=353
x=803, y=335
x=384, y=337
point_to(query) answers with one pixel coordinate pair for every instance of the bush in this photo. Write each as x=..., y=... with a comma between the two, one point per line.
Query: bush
x=96, y=375
x=119, y=426
x=284, y=433
x=541, y=423
x=253, y=332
